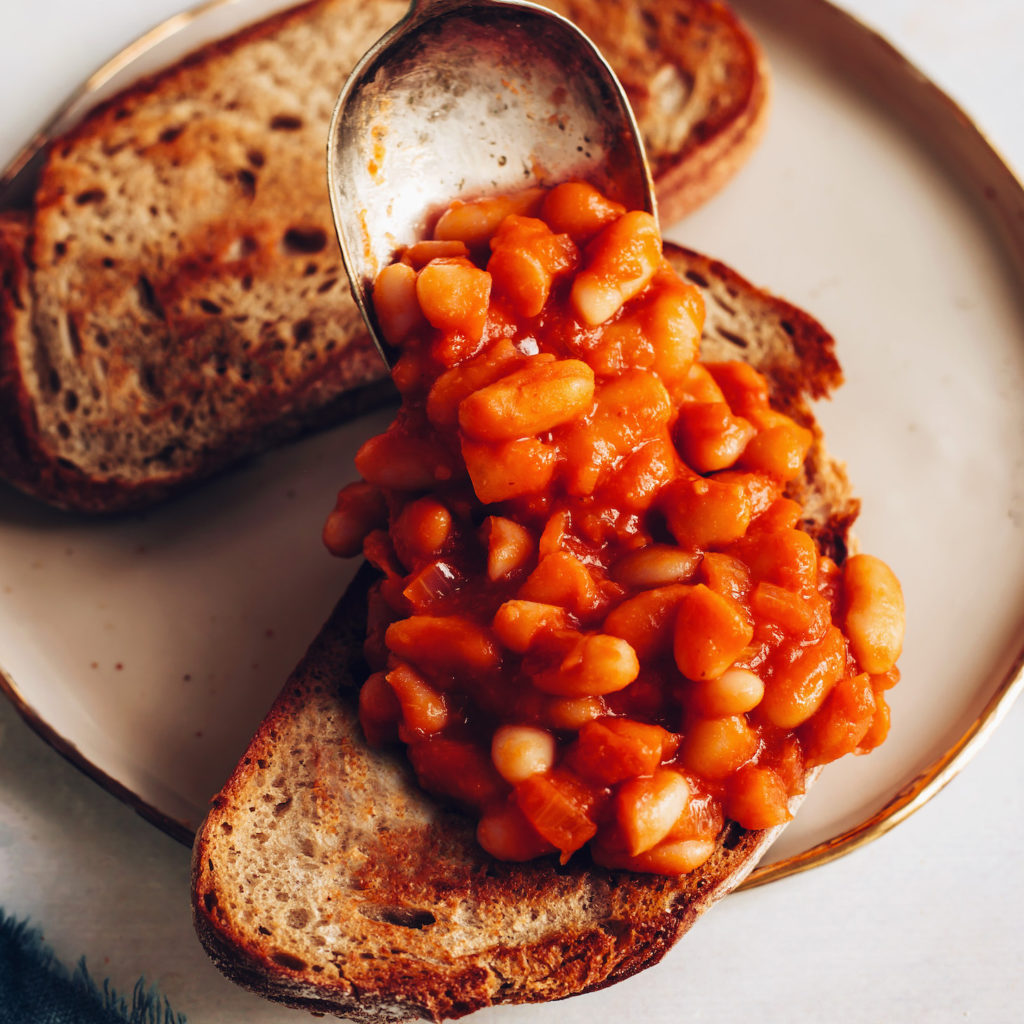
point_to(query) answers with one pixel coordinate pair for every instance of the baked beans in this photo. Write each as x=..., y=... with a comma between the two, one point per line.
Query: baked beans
x=599, y=619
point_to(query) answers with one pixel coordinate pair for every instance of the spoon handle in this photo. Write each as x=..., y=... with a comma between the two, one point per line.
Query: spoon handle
x=419, y=8
x=422, y=10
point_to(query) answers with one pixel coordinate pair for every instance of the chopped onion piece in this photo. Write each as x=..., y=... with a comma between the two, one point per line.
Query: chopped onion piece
x=433, y=583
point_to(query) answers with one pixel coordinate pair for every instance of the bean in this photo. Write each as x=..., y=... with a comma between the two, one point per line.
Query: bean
x=631, y=407
x=451, y=643
x=419, y=254
x=519, y=751
x=459, y=769
x=509, y=546
x=509, y=470
x=448, y=391
x=562, y=579
x=526, y=258
x=697, y=386
x=779, y=450
x=529, y=401
x=725, y=575
x=782, y=514
x=796, y=690
x=400, y=461
x=796, y=613
x=379, y=710
x=710, y=632
x=734, y=692
x=621, y=261
x=656, y=565
x=505, y=833
x=555, y=535
x=424, y=710
x=628, y=411
x=715, y=747
x=875, y=615
x=596, y=665
x=706, y=512
x=669, y=857
x=879, y=727
x=647, y=621
x=380, y=553
x=395, y=303
x=743, y=387
x=579, y=210
x=787, y=558
x=648, y=807
x=358, y=509
x=475, y=222
x=421, y=529
x=641, y=477
x=709, y=437
x=761, y=490
x=674, y=322
x=572, y=713
x=521, y=625
x=454, y=296
x=659, y=332
x=413, y=373
x=842, y=721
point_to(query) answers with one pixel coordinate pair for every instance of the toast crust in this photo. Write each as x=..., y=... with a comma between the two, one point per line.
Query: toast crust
x=325, y=878
x=444, y=929
x=182, y=305
x=185, y=305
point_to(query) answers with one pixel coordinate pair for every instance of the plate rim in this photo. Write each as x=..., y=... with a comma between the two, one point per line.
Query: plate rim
x=915, y=792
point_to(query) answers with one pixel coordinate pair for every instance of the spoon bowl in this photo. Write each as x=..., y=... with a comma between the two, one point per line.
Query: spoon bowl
x=467, y=98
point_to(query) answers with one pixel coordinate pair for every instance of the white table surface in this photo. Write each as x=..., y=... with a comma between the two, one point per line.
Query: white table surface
x=926, y=924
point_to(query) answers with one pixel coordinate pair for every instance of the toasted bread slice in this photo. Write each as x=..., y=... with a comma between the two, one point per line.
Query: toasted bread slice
x=186, y=304
x=698, y=85
x=325, y=878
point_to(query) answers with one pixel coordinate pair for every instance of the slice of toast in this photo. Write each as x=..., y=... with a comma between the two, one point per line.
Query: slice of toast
x=175, y=300
x=698, y=85
x=324, y=877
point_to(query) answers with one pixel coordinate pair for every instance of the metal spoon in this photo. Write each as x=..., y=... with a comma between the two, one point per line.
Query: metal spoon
x=464, y=98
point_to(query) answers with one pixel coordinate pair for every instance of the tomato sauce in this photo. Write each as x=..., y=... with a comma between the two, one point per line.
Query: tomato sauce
x=599, y=622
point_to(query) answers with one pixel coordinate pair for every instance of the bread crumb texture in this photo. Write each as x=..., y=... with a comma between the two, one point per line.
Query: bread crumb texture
x=323, y=877
x=187, y=301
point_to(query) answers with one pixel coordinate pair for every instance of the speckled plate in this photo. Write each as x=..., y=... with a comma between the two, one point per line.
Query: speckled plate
x=147, y=649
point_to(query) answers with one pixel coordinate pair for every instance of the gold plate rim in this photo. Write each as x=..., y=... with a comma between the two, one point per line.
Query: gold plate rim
x=913, y=795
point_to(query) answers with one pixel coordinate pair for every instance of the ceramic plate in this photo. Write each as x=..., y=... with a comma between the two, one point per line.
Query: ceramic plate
x=147, y=649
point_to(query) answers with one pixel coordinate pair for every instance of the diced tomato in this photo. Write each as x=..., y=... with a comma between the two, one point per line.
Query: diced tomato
x=424, y=710
x=757, y=798
x=559, y=804
x=744, y=388
x=379, y=710
x=609, y=750
x=458, y=769
x=879, y=728
x=842, y=721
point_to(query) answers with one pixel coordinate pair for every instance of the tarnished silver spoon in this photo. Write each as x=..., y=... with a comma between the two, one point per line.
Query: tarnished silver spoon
x=465, y=98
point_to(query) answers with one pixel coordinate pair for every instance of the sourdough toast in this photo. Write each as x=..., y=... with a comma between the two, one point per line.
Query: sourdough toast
x=324, y=877
x=174, y=300
x=698, y=84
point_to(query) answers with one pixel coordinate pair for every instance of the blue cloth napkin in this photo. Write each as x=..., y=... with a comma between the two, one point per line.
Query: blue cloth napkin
x=35, y=988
